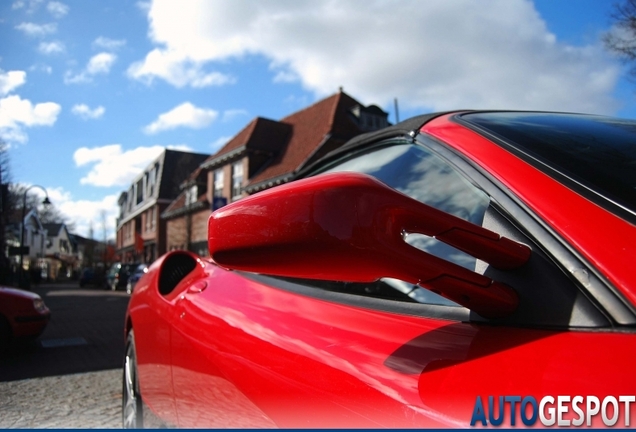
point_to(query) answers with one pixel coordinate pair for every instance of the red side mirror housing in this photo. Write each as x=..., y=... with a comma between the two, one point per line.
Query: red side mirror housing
x=350, y=227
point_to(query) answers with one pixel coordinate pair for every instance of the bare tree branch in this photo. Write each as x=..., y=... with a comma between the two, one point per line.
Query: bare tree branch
x=621, y=39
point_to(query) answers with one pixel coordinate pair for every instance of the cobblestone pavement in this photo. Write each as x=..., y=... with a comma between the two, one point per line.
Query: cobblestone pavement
x=70, y=377
x=85, y=400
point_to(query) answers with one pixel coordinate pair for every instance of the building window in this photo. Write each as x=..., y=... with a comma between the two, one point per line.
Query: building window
x=140, y=191
x=152, y=218
x=218, y=183
x=237, y=179
x=152, y=180
x=191, y=195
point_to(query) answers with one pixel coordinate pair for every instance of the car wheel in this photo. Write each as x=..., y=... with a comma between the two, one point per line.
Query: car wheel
x=132, y=407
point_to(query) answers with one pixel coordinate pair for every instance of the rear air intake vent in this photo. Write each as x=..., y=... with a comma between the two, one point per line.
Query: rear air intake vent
x=174, y=269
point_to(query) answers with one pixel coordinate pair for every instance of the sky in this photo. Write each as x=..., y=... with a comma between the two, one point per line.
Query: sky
x=92, y=92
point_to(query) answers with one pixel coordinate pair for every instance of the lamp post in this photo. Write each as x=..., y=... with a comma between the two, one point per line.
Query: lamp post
x=46, y=201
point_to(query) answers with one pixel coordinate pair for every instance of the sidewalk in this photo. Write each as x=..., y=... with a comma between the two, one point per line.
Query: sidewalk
x=87, y=400
x=70, y=377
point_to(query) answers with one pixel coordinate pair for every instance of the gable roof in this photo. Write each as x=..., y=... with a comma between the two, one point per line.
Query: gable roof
x=283, y=147
x=177, y=166
x=312, y=127
x=260, y=134
x=53, y=229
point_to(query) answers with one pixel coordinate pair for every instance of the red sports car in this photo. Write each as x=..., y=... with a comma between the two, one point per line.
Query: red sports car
x=454, y=270
x=23, y=315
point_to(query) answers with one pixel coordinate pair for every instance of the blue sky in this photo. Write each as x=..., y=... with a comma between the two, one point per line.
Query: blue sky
x=90, y=92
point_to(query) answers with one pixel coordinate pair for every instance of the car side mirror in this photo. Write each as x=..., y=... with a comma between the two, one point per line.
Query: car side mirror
x=351, y=227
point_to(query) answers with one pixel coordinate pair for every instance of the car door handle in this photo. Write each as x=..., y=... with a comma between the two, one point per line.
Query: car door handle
x=197, y=287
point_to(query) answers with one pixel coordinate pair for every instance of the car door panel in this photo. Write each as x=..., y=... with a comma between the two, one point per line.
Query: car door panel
x=304, y=362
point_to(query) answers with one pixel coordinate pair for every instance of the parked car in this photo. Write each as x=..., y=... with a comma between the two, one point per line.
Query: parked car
x=91, y=276
x=140, y=270
x=23, y=315
x=118, y=274
x=452, y=270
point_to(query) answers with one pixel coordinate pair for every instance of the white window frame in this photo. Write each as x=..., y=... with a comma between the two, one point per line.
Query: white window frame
x=237, y=179
x=218, y=183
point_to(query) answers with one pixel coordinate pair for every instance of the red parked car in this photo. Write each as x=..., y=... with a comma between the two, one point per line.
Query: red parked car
x=23, y=315
x=454, y=270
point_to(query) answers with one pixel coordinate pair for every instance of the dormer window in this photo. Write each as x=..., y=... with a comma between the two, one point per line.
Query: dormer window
x=191, y=195
x=140, y=191
x=152, y=180
x=370, y=118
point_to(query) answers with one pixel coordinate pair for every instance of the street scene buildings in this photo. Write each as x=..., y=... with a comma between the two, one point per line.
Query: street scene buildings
x=264, y=154
x=166, y=207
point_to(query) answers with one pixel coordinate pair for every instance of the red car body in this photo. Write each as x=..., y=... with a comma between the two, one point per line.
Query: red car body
x=24, y=313
x=218, y=343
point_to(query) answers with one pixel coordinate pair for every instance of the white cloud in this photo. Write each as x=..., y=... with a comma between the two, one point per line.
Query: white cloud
x=53, y=47
x=17, y=113
x=184, y=115
x=98, y=64
x=11, y=80
x=32, y=7
x=40, y=67
x=143, y=6
x=177, y=70
x=57, y=9
x=445, y=55
x=110, y=165
x=85, y=213
x=37, y=30
x=229, y=115
x=80, y=78
x=85, y=112
x=108, y=44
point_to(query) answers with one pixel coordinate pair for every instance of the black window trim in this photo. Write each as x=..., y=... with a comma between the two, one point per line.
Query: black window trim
x=422, y=310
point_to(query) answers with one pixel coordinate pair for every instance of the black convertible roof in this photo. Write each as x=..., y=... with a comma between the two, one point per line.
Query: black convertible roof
x=406, y=127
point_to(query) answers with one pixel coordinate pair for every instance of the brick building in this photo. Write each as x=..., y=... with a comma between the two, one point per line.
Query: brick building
x=264, y=154
x=141, y=233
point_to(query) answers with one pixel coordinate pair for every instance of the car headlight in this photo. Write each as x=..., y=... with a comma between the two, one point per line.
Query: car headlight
x=38, y=305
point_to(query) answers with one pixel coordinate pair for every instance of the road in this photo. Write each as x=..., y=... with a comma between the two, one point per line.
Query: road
x=70, y=377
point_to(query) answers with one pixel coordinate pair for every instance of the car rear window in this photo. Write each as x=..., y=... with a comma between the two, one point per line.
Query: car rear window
x=596, y=155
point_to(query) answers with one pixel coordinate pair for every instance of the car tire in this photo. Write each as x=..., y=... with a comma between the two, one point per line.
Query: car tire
x=132, y=406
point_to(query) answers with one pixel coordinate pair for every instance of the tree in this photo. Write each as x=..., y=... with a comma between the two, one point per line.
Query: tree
x=47, y=213
x=5, y=207
x=621, y=40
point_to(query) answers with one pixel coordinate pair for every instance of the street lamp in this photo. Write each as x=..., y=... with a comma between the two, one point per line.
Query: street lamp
x=46, y=201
